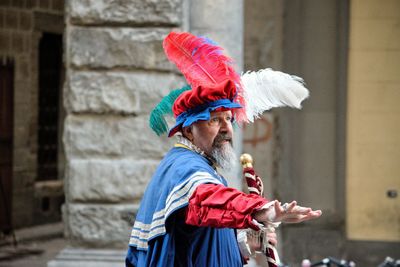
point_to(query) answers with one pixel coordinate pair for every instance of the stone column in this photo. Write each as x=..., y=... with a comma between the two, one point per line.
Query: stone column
x=312, y=140
x=116, y=73
x=263, y=49
x=222, y=21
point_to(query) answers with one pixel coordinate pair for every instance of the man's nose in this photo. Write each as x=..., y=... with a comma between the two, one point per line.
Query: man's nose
x=225, y=126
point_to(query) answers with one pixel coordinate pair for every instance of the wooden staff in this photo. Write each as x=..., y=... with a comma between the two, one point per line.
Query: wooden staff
x=255, y=186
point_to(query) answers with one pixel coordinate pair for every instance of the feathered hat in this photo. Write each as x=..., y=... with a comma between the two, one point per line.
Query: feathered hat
x=215, y=85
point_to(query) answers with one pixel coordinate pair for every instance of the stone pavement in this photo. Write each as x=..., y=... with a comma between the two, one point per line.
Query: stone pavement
x=36, y=246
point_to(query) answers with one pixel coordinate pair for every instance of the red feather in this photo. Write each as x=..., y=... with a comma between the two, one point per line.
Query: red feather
x=203, y=63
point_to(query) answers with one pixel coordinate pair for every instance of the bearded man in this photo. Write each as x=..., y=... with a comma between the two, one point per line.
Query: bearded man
x=188, y=215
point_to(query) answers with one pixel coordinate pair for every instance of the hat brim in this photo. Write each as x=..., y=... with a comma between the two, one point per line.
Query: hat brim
x=202, y=113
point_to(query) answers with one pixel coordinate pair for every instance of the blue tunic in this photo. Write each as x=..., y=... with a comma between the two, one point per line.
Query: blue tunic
x=160, y=236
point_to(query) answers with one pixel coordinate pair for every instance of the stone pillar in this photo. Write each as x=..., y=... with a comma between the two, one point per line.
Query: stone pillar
x=311, y=166
x=263, y=49
x=263, y=39
x=222, y=21
x=116, y=73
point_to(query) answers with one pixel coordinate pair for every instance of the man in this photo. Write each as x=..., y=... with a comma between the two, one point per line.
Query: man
x=188, y=215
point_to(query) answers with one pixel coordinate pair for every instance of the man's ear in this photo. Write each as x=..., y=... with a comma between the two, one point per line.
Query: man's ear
x=187, y=132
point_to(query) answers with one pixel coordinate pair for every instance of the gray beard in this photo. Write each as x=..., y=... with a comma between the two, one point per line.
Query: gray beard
x=225, y=156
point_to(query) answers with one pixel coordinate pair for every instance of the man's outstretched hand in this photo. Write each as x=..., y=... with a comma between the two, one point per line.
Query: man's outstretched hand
x=287, y=213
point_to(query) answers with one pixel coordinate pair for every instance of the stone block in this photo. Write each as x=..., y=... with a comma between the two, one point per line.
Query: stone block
x=25, y=20
x=5, y=3
x=97, y=180
x=5, y=41
x=28, y=4
x=17, y=3
x=2, y=17
x=99, y=225
x=48, y=22
x=23, y=63
x=44, y=4
x=118, y=47
x=23, y=159
x=117, y=92
x=57, y=5
x=100, y=93
x=92, y=136
x=133, y=12
x=11, y=19
x=27, y=46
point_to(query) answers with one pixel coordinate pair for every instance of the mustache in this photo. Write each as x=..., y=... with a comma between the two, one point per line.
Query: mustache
x=221, y=138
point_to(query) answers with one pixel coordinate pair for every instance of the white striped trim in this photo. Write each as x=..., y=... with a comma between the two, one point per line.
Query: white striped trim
x=248, y=175
x=253, y=189
x=271, y=260
x=180, y=195
x=182, y=189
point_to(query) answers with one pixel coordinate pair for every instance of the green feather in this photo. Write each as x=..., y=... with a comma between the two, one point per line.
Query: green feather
x=157, y=120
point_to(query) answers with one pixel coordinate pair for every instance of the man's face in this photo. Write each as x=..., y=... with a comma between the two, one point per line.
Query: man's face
x=213, y=134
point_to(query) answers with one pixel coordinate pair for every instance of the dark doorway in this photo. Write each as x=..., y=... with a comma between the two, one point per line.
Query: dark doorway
x=50, y=66
x=6, y=142
x=48, y=186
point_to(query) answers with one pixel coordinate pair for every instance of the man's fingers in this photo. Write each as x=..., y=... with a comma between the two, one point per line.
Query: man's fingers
x=301, y=210
x=292, y=213
x=296, y=218
x=311, y=215
x=278, y=207
x=291, y=206
x=317, y=213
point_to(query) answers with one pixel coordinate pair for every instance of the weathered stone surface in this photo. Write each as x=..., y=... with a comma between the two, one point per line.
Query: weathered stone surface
x=263, y=34
x=132, y=12
x=117, y=92
x=118, y=47
x=97, y=180
x=93, y=136
x=99, y=225
x=72, y=257
x=222, y=21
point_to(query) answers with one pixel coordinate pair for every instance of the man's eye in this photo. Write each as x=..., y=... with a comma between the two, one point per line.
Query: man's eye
x=214, y=119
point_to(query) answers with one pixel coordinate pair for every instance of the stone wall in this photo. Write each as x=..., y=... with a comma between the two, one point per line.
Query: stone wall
x=116, y=73
x=20, y=33
x=263, y=38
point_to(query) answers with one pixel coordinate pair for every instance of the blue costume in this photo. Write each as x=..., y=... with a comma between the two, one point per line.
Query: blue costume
x=160, y=236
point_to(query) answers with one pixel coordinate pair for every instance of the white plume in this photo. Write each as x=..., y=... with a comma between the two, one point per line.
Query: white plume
x=266, y=89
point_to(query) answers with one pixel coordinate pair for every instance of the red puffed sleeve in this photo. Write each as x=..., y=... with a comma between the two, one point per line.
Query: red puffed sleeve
x=220, y=206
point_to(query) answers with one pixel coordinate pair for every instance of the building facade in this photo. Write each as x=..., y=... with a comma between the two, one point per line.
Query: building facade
x=79, y=80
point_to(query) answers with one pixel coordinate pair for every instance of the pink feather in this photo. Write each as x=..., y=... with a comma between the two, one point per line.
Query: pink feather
x=203, y=63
